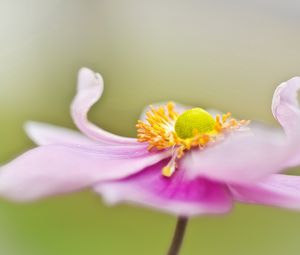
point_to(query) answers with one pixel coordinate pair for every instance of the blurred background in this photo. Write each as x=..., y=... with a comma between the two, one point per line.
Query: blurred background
x=228, y=55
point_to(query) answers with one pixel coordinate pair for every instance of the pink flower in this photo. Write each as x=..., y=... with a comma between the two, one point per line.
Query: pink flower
x=186, y=161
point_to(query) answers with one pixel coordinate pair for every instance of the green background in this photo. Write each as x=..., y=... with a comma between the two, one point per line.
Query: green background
x=228, y=55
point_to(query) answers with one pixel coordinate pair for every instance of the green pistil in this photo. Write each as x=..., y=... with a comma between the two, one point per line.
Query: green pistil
x=194, y=120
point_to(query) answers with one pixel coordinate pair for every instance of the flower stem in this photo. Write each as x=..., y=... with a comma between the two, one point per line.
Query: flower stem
x=178, y=236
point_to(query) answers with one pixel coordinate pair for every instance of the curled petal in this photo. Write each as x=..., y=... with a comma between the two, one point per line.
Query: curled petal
x=276, y=190
x=241, y=157
x=55, y=169
x=89, y=90
x=44, y=134
x=285, y=106
x=177, y=195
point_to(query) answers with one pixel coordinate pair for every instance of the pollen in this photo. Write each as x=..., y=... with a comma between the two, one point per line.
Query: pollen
x=165, y=128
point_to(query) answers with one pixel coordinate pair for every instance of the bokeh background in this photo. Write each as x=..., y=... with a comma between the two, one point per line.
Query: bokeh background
x=228, y=55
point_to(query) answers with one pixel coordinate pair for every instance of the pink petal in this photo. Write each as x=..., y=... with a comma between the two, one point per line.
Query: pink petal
x=244, y=158
x=54, y=169
x=180, y=108
x=241, y=157
x=285, y=106
x=276, y=190
x=177, y=195
x=89, y=90
x=43, y=134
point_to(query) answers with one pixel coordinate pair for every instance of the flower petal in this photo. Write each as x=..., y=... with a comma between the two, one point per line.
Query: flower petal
x=177, y=195
x=179, y=108
x=285, y=106
x=246, y=159
x=241, y=157
x=89, y=90
x=276, y=190
x=43, y=134
x=54, y=169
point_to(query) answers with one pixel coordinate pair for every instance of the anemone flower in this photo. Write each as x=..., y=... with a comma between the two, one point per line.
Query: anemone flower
x=185, y=161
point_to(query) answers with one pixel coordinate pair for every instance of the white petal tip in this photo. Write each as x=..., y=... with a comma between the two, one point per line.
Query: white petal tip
x=88, y=78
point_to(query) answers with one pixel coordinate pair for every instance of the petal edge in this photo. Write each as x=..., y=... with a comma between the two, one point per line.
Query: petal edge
x=89, y=90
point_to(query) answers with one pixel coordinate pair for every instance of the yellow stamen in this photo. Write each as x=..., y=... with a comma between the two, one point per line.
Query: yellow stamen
x=168, y=171
x=170, y=168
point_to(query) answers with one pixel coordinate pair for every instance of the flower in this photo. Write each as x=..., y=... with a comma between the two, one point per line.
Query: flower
x=185, y=160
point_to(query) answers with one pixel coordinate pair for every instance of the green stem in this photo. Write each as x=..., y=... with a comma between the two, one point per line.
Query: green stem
x=178, y=236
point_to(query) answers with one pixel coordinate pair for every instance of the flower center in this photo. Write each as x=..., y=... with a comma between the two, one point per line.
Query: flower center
x=194, y=121
x=195, y=128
